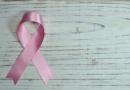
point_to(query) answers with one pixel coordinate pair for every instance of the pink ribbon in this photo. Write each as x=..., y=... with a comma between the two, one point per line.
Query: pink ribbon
x=31, y=50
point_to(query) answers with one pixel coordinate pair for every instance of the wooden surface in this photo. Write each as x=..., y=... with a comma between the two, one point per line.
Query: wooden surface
x=87, y=44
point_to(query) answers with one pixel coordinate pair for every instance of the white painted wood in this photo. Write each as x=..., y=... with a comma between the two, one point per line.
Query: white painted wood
x=87, y=44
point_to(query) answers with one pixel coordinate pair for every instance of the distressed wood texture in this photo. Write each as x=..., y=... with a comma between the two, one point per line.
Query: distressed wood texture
x=87, y=44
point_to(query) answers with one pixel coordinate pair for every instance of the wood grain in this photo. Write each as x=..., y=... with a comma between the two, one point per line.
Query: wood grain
x=87, y=44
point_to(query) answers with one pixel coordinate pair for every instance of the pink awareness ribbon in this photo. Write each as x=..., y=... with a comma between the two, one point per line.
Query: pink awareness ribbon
x=31, y=50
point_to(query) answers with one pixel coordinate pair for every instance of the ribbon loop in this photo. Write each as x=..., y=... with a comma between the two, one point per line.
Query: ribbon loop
x=31, y=50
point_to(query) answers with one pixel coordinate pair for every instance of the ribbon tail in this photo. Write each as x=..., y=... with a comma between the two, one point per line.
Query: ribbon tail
x=15, y=80
x=47, y=78
x=42, y=67
x=19, y=66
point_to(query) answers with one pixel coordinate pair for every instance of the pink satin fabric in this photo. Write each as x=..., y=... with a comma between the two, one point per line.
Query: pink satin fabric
x=31, y=50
